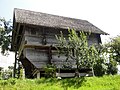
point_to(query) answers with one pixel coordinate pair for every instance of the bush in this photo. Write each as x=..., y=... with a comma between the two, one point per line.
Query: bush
x=112, y=69
x=12, y=81
x=100, y=67
x=50, y=71
x=3, y=82
x=99, y=70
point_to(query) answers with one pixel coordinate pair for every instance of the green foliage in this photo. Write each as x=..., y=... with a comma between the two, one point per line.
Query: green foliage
x=12, y=81
x=6, y=74
x=50, y=71
x=100, y=69
x=114, y=48
x=100, y=66
x=112, y=69
x=5, y=35
x=113, y=52
x=111, y=82
x=75, y=47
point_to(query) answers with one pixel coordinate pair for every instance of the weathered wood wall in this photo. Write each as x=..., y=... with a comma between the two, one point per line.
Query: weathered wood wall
x=93, y=39
x=61, y=62
x=46, y=36
x=39, y=36
x=39, y=58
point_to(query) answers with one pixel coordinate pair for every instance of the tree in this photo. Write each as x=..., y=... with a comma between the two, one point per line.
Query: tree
x=114, y=48
x=112, y=66
x=5, y=35
x=75, y=47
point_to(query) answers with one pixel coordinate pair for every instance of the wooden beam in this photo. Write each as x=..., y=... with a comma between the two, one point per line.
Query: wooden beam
x=50, y=55
x=21, y=43
x=17, y=32
x=21, y=48
x=13, y=38
x=14, y=70
x=38, y=75
x=35, y=72
x=42, y=47
x=38, y=46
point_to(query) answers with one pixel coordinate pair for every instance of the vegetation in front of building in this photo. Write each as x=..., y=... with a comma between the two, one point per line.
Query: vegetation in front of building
x=96, y=57
x=77, y=49
x=111, y=82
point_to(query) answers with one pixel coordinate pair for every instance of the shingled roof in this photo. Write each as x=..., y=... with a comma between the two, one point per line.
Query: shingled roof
x=48, y=20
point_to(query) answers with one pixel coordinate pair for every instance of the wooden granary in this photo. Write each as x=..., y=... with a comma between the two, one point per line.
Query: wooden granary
x=33, y=39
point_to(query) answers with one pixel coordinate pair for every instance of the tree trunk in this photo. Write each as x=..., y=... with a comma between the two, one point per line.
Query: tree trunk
x=77, y=71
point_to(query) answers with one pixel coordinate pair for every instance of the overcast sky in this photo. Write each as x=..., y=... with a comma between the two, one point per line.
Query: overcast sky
x=105, y=14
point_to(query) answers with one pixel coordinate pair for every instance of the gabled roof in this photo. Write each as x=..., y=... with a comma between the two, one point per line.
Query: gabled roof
x=48, y=20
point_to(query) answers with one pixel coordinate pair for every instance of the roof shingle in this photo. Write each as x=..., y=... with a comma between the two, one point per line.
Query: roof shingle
x=48, y=20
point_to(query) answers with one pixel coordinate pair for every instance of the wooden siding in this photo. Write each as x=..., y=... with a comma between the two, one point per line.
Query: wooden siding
x=39, y=58
x=61, y=61
x=36, y=36
x=73, y=74
x=34, y=40
x=93, y=39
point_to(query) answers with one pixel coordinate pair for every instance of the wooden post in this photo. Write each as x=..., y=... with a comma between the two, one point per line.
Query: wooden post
x=50, y=55
x=23, y=73
x=18, y=71
x=38, y=75
x=14, y=70
x=15, y=42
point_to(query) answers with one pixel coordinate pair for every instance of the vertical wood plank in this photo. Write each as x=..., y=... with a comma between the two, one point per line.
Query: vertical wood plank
x=38, y=75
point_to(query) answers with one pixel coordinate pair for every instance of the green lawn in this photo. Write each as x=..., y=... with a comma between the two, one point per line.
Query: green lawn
x=87, y=83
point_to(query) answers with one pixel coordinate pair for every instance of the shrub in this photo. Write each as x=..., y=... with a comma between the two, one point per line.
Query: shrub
x=50, y=71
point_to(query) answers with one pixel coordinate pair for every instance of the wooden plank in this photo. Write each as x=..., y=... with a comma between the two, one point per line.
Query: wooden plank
x=50, y=54
x=42, y=47
x=33, y=40
x=37, y=55
x=66, y=74
x=51, y=40
x=39, y=64
x=34, y=72
x=56, y=58
x=39, y=58
x=92, y=39
x=72, y=74
x=21, y=46
x=17, y=32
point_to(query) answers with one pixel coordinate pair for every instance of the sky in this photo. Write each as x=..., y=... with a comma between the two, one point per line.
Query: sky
x=105, y=14
x=6, y=61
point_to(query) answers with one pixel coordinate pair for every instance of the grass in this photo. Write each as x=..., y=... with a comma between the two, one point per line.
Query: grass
x=87, y=83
